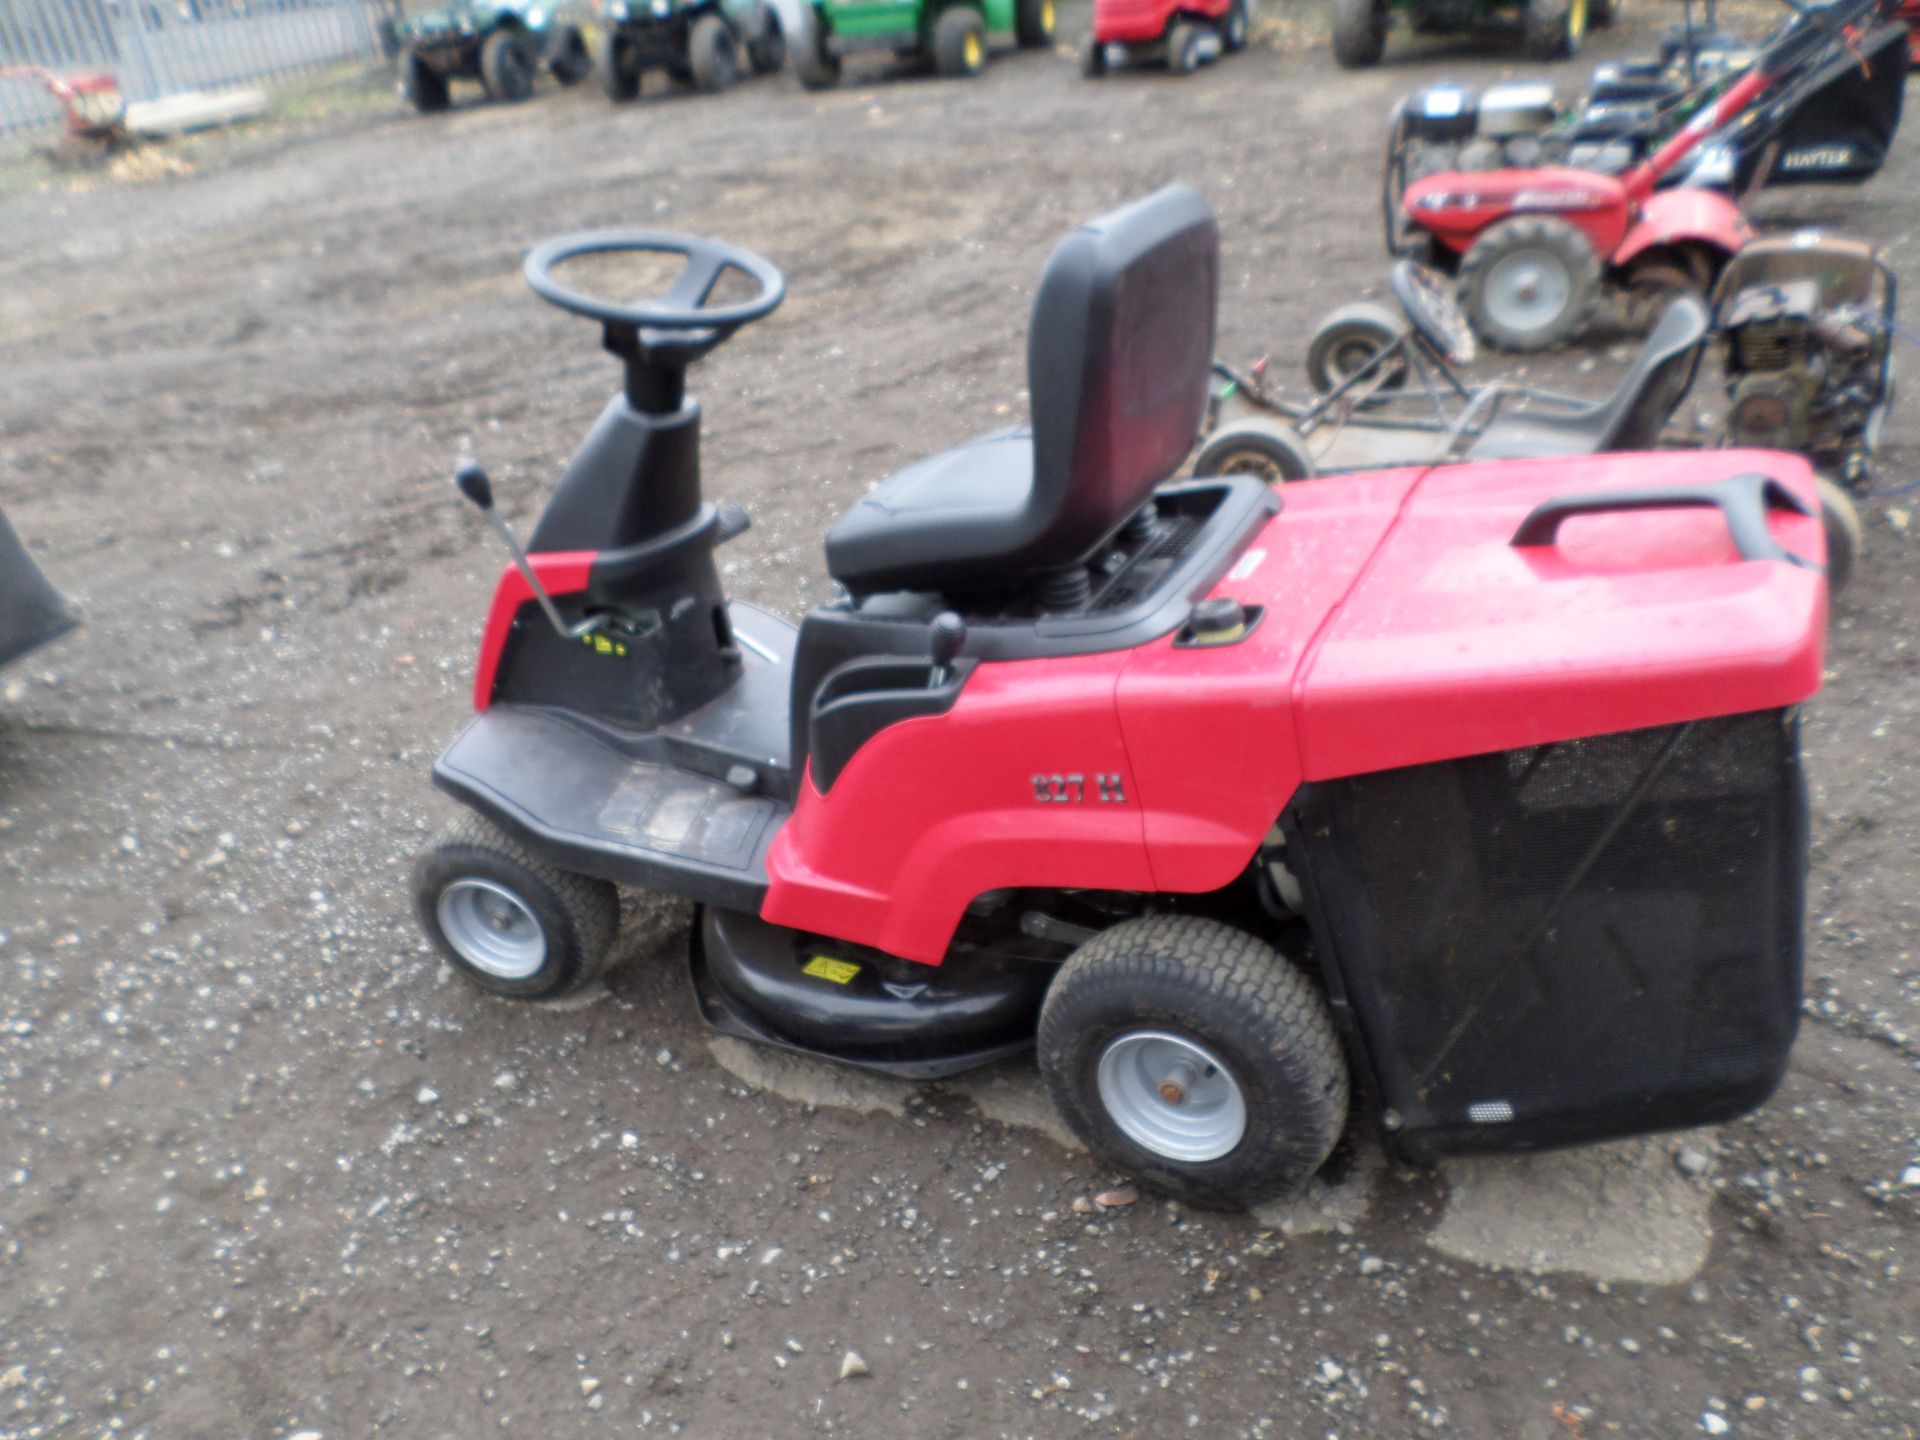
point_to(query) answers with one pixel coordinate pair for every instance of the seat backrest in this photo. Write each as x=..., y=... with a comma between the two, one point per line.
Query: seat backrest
x=1638, y=410
x=1118, y=358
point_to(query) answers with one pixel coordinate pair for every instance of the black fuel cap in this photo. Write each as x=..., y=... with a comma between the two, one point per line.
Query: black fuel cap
x=1218, y=622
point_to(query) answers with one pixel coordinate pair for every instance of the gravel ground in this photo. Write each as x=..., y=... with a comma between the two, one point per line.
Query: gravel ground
x=267, y=1171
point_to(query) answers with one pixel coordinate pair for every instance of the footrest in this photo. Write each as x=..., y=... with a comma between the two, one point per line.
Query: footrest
x=582, y=803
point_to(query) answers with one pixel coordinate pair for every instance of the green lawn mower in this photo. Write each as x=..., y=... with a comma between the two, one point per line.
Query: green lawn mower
x=699, y=42
x=1549, y=29
x=949, y=34
x=501, y=43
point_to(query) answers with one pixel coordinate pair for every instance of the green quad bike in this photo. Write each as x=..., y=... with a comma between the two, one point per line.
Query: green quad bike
x=695, y=41
x=1549, y=29
x=951, y=34
x=500, y=43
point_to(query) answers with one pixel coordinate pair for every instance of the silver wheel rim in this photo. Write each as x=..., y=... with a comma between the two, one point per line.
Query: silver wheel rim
x=492, y=929
x=1527, y=291
x=1172, y=1096
x=1256, y=463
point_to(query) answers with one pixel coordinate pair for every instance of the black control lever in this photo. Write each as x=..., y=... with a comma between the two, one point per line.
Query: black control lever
x=949, y=634
x=473, y=483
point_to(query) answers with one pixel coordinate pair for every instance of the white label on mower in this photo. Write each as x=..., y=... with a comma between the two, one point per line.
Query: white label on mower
x=1818, y=157
x=1248, y=563
x=1554, y=200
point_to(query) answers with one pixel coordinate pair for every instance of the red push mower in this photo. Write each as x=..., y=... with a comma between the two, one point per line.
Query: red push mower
x=1532, y=248
x=1476, y=787
x=1829, y=118
x=1182, y=34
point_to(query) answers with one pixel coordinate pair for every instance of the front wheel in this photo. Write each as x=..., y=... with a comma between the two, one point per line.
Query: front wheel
x=712, y=56
x=1033, y=23
x=1529, y=283
x=424, y=87
x=1194, y=1056
x=1258, y=446
x=1553, y=29
x=619, y=72
x=1233, y=30
x=1183, y=47
x=959, y=42
x=1348, y=339
x=767, y=51
x=571, y=63
x=506, y=67
x=814, y=61
x=1840, y=518
x=511, y=923
x=1359, y=32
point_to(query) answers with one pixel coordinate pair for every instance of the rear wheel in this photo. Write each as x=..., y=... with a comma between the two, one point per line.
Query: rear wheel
x=1033, y=23
x=1529, y=283
x=816, y=65
x=1196, y=1057
x=570, y=63
x=1093, y=58
x=619, y=74
x=506, y=67
x=1233, y=29
x=1359, y=32
x=1553, y=29
x=1846, y=536
x=959, y=42
x=424, y=87
x=1655, y=281
x=1266, y=449
x=712, y=55
x=767, y=51
x=1350, y=337
x=509, y=922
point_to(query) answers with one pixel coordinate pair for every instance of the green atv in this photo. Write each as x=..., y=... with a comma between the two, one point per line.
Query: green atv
x=692, y=40
x=951, y=34
x=1549, y=29
x=500, y=43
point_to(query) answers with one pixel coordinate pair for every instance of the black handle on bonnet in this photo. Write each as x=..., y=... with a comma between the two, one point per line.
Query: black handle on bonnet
x=1743, y=499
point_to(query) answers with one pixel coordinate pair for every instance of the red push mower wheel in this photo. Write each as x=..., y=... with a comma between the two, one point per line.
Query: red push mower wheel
x=1530, y=283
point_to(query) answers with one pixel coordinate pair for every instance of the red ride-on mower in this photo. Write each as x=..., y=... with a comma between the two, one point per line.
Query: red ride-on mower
x=1532, y=247
x=1478, y=787
x=1185, y=34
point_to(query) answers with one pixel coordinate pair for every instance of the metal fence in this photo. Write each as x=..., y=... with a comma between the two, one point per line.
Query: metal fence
x=156, y=48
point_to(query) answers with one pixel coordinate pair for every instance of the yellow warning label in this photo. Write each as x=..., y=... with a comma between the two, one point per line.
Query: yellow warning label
x=828, y=968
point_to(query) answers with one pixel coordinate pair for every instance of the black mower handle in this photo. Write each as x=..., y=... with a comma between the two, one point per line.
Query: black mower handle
x=684, y=306
x=1743, y=499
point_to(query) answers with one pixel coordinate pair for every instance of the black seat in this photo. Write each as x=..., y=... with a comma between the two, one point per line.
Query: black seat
x=1118, y=356
x=1629, y=419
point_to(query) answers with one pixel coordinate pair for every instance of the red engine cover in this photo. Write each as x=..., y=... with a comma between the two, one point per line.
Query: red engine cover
x=1398, y=625
x=1458, y=206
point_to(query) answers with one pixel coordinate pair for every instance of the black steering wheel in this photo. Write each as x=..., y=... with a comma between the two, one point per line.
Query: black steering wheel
x=683, y=307
x=1428, y=301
